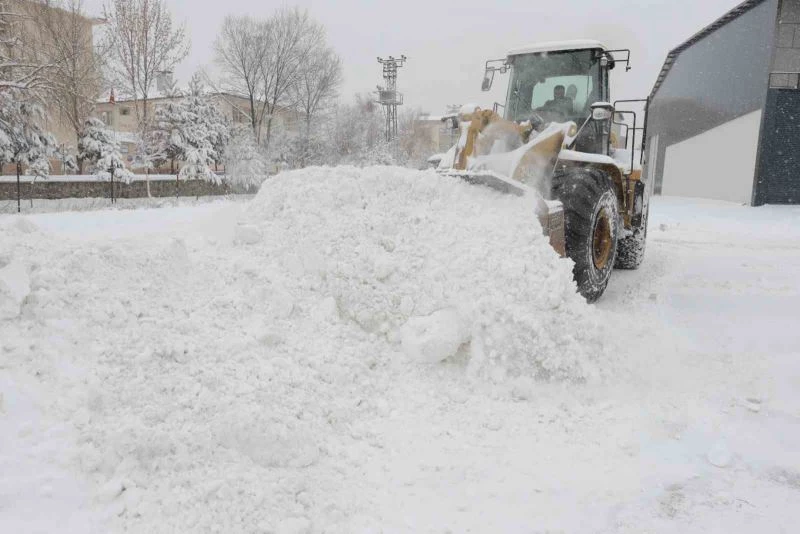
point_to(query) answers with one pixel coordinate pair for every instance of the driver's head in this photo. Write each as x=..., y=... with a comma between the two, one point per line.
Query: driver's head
x=559, y=91
x=572, y=91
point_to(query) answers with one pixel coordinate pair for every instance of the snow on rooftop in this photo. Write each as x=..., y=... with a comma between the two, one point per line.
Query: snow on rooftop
x=558, y=46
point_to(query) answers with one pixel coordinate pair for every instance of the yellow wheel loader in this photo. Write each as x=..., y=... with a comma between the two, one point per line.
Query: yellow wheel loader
x=561, y=140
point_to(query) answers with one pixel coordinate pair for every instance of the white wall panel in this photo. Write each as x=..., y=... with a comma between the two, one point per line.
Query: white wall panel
x=719, y=163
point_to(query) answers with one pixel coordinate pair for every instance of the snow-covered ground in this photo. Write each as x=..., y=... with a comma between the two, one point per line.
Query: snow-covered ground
x=265, y=367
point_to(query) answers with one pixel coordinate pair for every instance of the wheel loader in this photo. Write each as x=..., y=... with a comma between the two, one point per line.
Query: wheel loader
x=560, y=139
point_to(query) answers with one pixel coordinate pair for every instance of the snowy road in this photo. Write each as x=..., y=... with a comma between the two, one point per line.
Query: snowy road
x=698, y=429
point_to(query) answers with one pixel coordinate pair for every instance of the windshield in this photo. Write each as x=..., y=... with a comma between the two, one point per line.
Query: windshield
x=558, y=86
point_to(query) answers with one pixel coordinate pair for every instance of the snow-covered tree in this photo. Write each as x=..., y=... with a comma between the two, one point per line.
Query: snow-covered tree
x=203, y=117
x=96, y=136
x=197, y=165
x=100, y=149
x=38, y=164
x=22, y=141
x=193, y=131
x=64, y=40
x=165, y=142
x=314, y=88
x=142, y=41
x=245, y=164
x=355, y=135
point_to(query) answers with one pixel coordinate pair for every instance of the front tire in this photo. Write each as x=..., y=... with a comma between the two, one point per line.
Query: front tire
x=591, y=220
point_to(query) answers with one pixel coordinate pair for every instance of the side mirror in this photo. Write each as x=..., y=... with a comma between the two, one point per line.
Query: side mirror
x=602, y=111
x=487, y=81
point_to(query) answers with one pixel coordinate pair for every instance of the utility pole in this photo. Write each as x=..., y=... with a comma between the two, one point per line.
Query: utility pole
x=388, y=97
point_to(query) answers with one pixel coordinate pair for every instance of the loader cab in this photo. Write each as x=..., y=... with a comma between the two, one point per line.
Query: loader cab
x=558, y=85
x=557, y=82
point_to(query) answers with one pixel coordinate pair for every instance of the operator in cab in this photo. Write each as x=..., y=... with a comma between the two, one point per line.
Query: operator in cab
x=560, y=102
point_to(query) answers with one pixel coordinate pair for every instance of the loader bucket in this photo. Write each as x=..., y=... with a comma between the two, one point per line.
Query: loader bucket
x=549, y=212
x=477, y=159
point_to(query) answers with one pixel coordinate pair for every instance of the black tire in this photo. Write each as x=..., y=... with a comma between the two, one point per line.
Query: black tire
x=630, y=249
x=591, y=220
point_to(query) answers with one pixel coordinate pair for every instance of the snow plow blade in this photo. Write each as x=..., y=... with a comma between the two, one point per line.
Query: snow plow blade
x=549, y=212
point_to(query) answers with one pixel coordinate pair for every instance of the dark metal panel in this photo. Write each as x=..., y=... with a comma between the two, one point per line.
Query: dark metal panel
x=718, y=77
x=778, y=174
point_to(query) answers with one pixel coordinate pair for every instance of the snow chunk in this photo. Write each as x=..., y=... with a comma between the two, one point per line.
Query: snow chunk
x=247, y=234
x=15, y=285
x=434, y=338
x=25, y=226
x=720, y=455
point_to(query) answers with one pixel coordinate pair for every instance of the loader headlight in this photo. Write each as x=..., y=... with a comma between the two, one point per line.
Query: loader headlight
x=602, y=111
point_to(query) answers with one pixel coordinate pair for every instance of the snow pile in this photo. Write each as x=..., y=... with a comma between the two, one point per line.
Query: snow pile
x=431, y=264
x=241, y=378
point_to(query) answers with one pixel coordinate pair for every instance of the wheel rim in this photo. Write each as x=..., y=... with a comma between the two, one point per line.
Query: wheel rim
x=601, y=240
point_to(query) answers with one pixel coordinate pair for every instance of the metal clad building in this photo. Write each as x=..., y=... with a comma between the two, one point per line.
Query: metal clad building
x=724, y=115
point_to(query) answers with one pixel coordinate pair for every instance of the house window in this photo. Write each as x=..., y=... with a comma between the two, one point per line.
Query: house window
x=125, y=111
x=784, y=80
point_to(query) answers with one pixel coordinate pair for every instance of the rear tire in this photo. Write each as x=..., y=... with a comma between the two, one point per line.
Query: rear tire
x=591, y=220
x=630, y=250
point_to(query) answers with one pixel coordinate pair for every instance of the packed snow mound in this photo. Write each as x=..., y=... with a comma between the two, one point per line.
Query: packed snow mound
x=439, y=267
x=240, y=376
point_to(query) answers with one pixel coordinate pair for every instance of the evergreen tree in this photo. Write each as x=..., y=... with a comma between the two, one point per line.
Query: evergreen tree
x=22, y=141
x=245, y=165
x=100, y=149
x=205, y=120
x=166, y=142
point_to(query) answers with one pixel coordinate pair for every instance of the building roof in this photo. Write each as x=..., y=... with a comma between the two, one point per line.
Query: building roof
x=558, y=46
x=733, y=14
x=157, y=96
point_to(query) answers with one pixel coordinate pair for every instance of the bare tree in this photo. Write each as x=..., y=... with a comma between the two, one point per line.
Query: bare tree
x=317, y=83
x=65, y=41
x=240, y=49
x=142, y=42
x=263, y=60
x=293, y=36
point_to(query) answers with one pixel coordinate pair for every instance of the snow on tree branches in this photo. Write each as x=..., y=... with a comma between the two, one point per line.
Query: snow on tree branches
x=22, y=141
x=245, y=165
x=100, y=149
x=193, y=131
x=19, y=68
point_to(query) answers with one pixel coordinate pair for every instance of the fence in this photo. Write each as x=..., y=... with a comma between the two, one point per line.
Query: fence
x=58, y=187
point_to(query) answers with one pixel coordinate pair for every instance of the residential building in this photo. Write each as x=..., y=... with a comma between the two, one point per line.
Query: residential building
x=438, y=130
x=120, y=115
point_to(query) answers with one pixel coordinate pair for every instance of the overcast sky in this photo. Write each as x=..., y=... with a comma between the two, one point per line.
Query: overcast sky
x=448, y=41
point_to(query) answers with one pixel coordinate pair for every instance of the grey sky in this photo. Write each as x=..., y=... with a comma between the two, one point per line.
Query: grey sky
x=448, y=41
